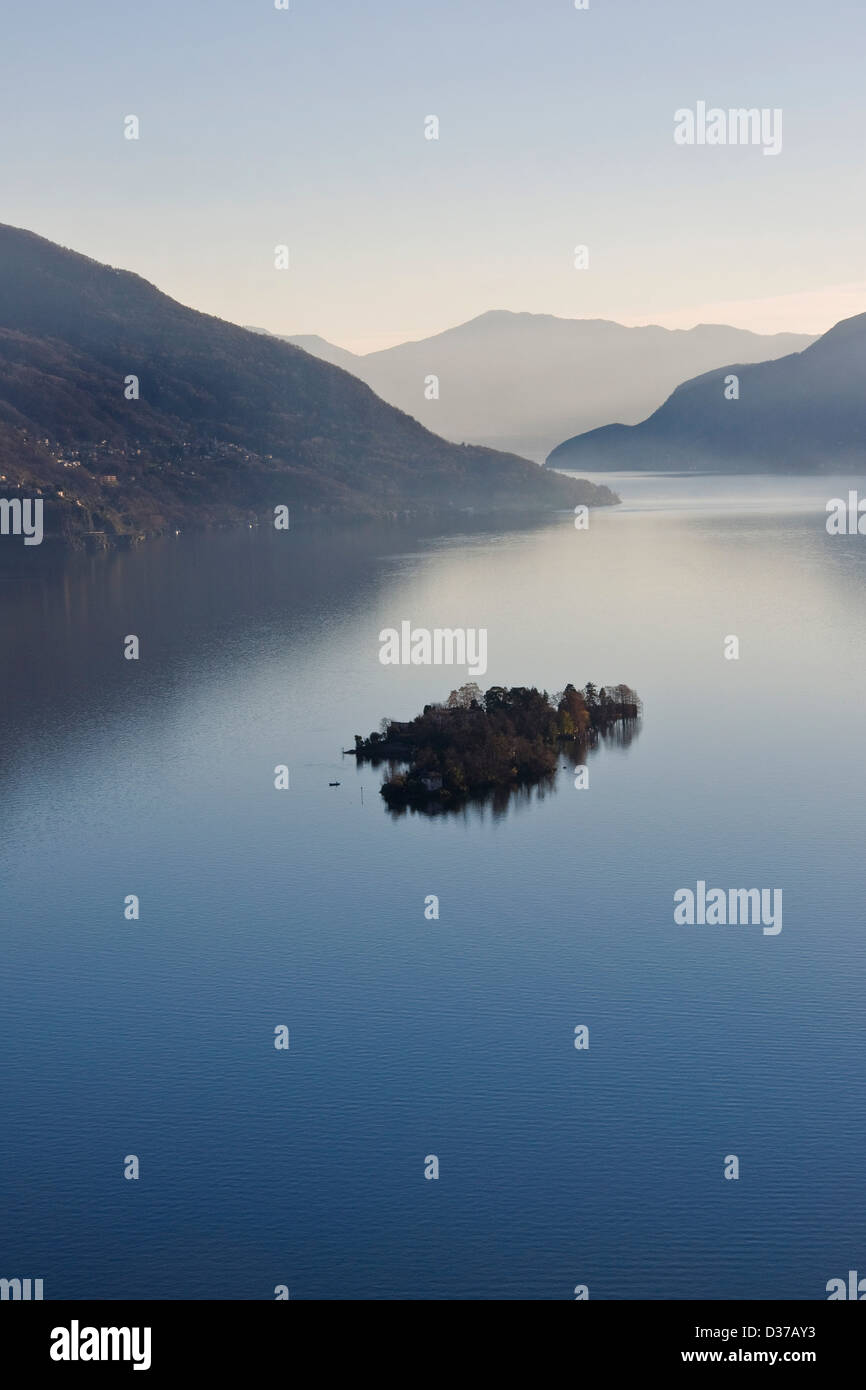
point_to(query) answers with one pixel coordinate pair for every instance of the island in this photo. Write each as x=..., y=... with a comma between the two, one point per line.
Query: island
x=479, y=741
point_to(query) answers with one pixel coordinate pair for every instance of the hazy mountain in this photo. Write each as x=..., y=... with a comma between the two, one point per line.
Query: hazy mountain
x=318, y=347
x=228, y=423
x=802, y=413
x=524, y=381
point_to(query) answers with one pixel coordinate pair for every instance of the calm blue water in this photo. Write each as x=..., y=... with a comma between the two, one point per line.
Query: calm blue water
x=452, y=1037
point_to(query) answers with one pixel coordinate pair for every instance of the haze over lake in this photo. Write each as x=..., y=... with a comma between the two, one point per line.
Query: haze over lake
x=452, y=1037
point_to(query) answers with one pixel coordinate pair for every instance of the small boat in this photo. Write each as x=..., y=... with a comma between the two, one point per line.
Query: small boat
x=333, y=784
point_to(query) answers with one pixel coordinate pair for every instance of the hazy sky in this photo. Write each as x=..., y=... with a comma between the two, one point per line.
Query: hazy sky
x=306, y=127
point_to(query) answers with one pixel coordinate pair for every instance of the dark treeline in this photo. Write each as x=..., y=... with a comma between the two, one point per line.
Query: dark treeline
x=479, y=740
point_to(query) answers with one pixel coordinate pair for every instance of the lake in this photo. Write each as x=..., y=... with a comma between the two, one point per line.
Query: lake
x=453, y=1037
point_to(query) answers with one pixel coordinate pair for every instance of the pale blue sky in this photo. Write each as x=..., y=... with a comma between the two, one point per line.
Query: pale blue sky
x=260, y=126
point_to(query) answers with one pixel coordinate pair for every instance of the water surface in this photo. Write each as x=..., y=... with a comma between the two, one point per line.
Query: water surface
x=454, y=1037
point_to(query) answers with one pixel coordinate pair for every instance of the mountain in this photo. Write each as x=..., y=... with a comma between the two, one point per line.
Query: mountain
x=805, y=413
x=228, y=423
x=318, y=347
x=523, y=382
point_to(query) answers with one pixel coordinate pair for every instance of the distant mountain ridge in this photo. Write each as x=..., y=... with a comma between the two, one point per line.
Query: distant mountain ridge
x=523, y=382
x=226, y=425
x=803, y=413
